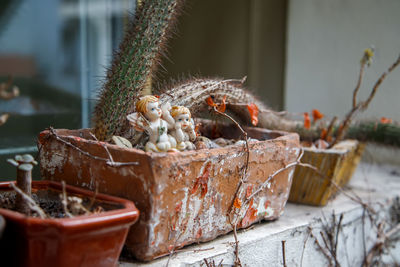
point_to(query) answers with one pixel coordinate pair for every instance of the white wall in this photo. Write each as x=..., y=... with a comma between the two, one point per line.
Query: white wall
x=326, y=39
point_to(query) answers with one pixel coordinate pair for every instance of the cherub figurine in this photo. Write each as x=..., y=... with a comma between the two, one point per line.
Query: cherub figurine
x=183, y=130
x=147, y=118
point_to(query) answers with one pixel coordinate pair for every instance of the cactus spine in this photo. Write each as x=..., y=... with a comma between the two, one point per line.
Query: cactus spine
x=193, y=93
x=134, y=64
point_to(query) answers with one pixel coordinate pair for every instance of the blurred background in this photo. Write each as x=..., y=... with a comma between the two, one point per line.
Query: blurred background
x=297, y=54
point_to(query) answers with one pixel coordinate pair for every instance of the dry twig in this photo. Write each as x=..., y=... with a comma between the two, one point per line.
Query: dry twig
x=360, y=77
x=304, y=246
x=64, y=200
x=211, y=263
x=321, y=248
x=92, y=201
x=284, y=253
x=108, y=161
x=237, y=263
x=382, y=241
x=362, y=105
x=239, y=186
x=330, y=127
x=31, y=203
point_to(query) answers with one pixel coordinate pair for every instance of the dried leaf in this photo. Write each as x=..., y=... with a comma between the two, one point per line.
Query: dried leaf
x=253, y=110
x=385, y=120
x=210, y=102
x=121, y=141
x=197, y=129
x=307, y=121
x=222, y=106
x=317, y=115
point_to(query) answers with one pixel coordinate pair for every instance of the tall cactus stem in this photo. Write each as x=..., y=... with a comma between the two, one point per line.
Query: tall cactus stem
x=134, y=64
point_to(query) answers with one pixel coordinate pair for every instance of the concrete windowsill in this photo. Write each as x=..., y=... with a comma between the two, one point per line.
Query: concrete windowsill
x=261, y=245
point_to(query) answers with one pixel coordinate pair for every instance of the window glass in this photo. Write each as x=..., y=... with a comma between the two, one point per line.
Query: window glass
x=56, y=53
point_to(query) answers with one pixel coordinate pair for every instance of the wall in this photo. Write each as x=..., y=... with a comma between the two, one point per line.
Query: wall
x=325, y=41
x=232, y=39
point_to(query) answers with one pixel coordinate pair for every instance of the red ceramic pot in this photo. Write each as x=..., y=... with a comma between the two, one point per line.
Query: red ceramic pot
x=89, y=240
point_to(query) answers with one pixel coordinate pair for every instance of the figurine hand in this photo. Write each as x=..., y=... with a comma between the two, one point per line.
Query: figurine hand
x=166, y=107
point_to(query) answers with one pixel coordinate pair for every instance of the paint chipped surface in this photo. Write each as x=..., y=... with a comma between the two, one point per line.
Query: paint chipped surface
x=53, y=161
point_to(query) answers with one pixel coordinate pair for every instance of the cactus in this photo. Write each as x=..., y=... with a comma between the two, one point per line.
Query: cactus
x=193, y=93
x=382, y=133
x=134, y=64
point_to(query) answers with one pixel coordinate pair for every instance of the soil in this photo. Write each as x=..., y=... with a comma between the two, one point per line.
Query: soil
x=50, y=202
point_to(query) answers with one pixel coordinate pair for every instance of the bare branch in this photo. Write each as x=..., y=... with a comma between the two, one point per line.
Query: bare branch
x=237, y=259
x=362, y=105
x=108, y=161
x=321, y=248
x=64, y=200
x=31, y=203
x=330, y=127
x=365, y=104
x=304, y=246
x=360, y=76
x=284, y=253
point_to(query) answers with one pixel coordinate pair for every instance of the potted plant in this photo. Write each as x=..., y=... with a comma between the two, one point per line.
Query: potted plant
x=50, y=224
x=184, y=197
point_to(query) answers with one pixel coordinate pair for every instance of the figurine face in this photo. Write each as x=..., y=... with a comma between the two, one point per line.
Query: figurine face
x=153, y=111
x=184, y=119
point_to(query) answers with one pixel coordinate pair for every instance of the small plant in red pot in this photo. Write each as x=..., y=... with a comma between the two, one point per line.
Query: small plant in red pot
x=53, y=224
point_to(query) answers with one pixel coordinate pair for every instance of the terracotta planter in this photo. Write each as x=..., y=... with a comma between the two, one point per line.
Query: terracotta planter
x=91, y=240
x=184, y=196
x=337, y=164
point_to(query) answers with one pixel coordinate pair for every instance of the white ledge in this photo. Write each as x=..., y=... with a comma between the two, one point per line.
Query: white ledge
x=261, y=245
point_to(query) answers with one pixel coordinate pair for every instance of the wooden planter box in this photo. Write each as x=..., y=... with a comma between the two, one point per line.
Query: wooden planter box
x=87, y=240
x=337, y=164
x=183, y=197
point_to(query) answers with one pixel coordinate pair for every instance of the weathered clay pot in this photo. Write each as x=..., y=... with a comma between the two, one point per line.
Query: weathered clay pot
x=89, y=240
x=337, y=166
x=183, y=197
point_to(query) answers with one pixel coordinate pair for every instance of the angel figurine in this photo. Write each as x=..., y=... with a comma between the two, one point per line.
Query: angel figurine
x=147, y=118
x=183, y=131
